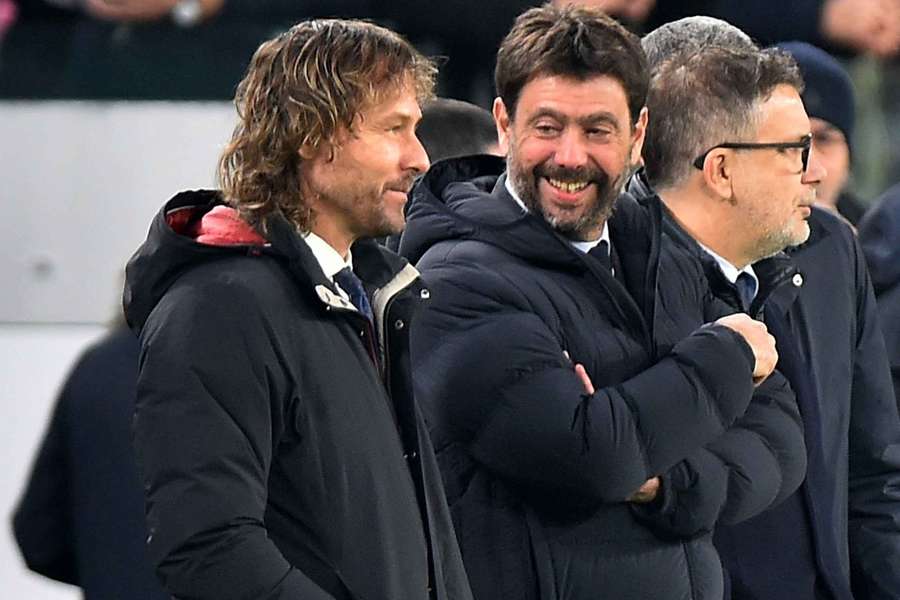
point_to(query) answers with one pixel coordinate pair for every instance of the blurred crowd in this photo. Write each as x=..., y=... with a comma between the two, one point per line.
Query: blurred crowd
x=199, y=49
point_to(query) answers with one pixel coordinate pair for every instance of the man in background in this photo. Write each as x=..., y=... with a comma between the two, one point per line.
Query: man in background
x=739, y=179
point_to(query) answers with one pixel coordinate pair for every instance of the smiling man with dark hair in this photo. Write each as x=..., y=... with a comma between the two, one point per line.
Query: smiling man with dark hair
x=574, y=378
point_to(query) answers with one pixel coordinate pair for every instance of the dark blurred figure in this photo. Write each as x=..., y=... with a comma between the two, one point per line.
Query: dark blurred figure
x=81, y=518
x=199, y=49
x=830, y=103
x=145, y=49
x=879, y=234
x=452, y=128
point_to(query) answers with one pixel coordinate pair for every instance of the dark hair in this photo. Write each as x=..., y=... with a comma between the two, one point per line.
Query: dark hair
x=698, y=100
x=571, y=42
x=302, y=88
x=455, y=128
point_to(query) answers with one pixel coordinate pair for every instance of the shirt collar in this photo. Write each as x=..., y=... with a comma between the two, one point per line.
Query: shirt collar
x=730, y=271
x=578, y=245
x=328, y=258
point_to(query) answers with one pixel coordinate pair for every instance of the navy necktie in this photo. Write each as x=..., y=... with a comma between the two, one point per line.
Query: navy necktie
x=601, y=253
x=351, y=284
x=746, y=287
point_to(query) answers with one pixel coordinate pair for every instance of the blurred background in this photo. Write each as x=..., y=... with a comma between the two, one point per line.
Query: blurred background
x=109, y=107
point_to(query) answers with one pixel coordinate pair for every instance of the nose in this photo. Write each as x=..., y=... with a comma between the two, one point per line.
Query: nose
x=815, y=171
x=415, y=158
x=571, y=151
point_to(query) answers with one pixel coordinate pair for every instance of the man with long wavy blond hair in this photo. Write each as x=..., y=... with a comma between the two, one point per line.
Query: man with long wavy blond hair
x=281, y=449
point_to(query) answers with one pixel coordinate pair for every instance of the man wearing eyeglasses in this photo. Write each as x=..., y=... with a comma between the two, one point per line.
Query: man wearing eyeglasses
x=728, y=150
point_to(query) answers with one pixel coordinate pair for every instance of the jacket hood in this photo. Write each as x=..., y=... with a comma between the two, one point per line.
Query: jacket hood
x=169, y=250
x=172, y=247
x=879, y=235
x=466, y=199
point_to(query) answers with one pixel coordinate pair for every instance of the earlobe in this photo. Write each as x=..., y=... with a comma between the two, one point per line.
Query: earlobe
x=501, y=120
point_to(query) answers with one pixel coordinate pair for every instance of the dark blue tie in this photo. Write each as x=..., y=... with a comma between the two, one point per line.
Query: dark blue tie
x=746, y=287
x=351, y=284
x=601, y=253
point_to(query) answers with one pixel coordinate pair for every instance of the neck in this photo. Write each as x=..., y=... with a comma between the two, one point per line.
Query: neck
x=334, y=236
x=708, y=220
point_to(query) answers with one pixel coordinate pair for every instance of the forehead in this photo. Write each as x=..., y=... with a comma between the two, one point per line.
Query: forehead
x=782, y=116
x=401, y=102
x=573, y=97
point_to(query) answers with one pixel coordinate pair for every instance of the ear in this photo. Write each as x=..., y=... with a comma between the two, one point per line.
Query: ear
x=324, y=151
x=637, y=138
x=718, y=172
x=501, y=120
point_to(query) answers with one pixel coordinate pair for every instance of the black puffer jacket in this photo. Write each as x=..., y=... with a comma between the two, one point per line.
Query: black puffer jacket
x=536, y=471
x=279, y=462
x=879, y=235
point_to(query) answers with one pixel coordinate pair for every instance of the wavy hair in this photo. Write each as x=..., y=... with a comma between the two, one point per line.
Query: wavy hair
x=301, y=89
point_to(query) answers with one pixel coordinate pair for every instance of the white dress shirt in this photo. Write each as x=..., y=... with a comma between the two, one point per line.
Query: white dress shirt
x=329, y=259
x=730, y=271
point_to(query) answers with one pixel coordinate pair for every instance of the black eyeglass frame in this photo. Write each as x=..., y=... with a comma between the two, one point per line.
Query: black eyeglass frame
x=804, y=144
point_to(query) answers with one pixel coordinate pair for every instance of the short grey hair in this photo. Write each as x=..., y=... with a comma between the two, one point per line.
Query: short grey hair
x=692, y=34
x=707, y=81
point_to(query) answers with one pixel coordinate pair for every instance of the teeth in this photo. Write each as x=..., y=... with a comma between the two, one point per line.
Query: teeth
x=568, y=186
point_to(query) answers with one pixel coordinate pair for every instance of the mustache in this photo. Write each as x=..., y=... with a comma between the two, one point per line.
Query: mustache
x=589, y=174
x=404, y=184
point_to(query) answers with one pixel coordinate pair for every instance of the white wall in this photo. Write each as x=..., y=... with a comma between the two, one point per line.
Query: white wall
x=79, y=183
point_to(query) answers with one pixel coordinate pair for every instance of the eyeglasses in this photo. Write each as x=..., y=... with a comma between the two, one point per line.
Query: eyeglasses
x=803, y=144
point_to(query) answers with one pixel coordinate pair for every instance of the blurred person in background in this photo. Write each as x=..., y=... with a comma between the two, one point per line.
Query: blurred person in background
x=80, y=519
x=829, y=101
x=737, y=205
x=452, y=128
x=879, y=235
x=146, y=49
x=282, y=451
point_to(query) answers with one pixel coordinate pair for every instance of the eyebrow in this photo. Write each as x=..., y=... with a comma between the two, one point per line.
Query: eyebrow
x=602, y=116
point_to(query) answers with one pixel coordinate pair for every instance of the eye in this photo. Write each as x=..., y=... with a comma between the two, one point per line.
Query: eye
x=546, y=129
x=597, y=132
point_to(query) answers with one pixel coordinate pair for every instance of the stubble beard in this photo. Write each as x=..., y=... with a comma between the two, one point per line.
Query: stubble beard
x=585, y=226
x=777, y=240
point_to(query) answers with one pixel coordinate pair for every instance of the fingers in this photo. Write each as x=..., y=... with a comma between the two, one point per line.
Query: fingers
x=760, y=341
x=646, y=493
x=585, y=379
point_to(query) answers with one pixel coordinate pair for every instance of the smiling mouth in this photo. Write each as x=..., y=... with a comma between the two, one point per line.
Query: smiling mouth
x=570, y=187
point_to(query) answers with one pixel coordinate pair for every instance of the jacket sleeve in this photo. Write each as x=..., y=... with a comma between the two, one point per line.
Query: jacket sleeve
x=757, y=463
x=207, y=419
x=500, y=377
x=41, y=523
x=874, y=463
